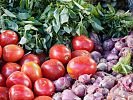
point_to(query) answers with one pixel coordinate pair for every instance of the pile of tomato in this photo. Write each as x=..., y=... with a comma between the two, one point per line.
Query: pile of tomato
x=30, y=76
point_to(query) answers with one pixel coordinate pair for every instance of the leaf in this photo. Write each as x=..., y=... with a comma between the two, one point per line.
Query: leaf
x=81, y=29
x=39, y=50
x=123, y=66
x=65, y=0
x=78, y=5
x=27, y=47
x=56, y=16
x=96, y=24
x=64, y=15
x=35, y=22
x=55, y=26
x=44, y=43
x=23, y=40
x=23, y=16
x=12, y=25
x=29, y=27
x=111, y=8
x=43, y=15
x=67, y=29
x=8, y=13
x=72, y=14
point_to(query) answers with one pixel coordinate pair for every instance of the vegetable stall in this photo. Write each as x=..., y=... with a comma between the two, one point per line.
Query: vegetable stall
x=66, y=50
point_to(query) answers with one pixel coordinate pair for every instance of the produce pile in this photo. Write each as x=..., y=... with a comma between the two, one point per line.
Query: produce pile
x=71, y=51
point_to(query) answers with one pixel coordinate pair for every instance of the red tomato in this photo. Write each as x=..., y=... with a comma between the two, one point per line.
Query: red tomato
x=20, y=92
x=52, y=69
x=44, y=87
x=8, y=37
x=32, y=70
x=2, y=80
x=4, y=93
x=42, y=57
x=82, y=43
x=18, y=78
x=81, y=65
x=43, y=98
x=77, y=53
x=9, y=68
x=60, y=52
x=0, y=51
x=12, y=53
x=28, y=58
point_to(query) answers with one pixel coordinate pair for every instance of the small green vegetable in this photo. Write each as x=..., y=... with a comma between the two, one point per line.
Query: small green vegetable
x=123, y=66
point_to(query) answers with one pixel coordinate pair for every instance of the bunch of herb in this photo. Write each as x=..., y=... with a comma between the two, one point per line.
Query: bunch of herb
x=24, y=21
x=68, y=18
x=115, y=23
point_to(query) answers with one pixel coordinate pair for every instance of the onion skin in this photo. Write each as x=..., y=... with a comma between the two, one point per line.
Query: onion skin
x=61, y=84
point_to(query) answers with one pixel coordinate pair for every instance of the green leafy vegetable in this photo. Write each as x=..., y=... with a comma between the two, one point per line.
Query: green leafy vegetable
x=123, y=66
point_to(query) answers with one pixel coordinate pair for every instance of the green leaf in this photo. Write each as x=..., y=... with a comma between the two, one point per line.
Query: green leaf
x=43, y=15
x=111, y=8
x=55, y=26
x=39, y=50
x=35, y=22
x=72, y=14
x=8, y=13
x=23, y=40
x=96, y=24
x=56, y=16
x=64, y=15
x=78, y=5
x=23, y=16
x=28, y=48
x=123, y=66
x=67, y=29
x=81, y=29
x=29, y=27
x=12, y=25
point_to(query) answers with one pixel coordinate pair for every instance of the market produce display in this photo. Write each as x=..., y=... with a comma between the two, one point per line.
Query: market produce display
x=68, y=50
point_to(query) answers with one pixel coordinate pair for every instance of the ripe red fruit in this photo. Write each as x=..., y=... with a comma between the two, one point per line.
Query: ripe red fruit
x=8, y=37
x=60, y=52
x=12, y=53
x=82, y=43
x=52, y=69
x=44, y=87
x=9, y=68
x=28, y=58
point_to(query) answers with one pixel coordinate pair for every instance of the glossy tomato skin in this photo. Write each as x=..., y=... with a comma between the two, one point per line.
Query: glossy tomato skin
x=52, y=69
x=9, y=68
x=2, y=80
x=28, y=58
x=44, y=87
x=81, y=65
x=12, y=53
x=77, y=53
x=32, y=70
x=43, y=98
x=20, y=92
x=4, y=93
x=8, y=37
x=60, y=52
x=42, y=57
x=82, y=43
x=0, y=51
x=18, y=78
